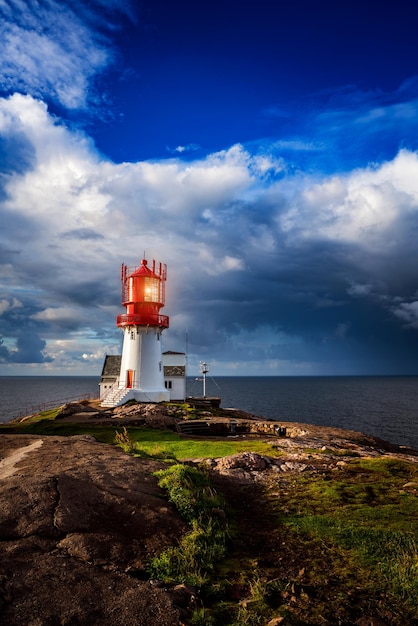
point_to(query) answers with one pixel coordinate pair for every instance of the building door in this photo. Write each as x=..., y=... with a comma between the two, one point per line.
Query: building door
x=129, y=379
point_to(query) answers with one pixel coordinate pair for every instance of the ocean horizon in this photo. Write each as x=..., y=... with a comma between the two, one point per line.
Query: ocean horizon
x=383, y=406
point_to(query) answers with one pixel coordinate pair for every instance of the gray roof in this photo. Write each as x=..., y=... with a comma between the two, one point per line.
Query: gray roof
x=174, y=370
x=111, y=366
x=172, y=352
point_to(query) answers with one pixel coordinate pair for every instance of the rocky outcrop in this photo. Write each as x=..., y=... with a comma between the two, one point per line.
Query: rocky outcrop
x=316, y=449
x=78, y=522
x=136, y=414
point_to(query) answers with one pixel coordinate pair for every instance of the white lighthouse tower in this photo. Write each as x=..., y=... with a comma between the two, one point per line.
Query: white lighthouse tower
x=141, y=374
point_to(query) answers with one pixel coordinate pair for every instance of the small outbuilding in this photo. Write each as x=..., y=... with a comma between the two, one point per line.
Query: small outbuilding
x=174, y=364
x=110, y=374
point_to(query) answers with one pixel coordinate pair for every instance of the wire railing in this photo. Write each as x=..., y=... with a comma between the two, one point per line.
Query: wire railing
x=34, y=409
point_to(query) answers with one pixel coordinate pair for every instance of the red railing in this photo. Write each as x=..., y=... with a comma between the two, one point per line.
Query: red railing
x=142, y=319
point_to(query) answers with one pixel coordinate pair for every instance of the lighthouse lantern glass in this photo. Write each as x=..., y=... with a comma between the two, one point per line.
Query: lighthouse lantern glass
x=151, y=290
x=134, y=289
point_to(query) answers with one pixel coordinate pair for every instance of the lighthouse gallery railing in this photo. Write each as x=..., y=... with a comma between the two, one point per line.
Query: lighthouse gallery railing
x=143, y=319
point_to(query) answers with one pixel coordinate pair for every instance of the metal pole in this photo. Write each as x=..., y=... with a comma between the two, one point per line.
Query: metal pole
x=204, y=368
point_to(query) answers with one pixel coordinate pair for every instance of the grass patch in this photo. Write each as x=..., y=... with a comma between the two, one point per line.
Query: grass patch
x=50, y=426
x=384, y=559
x=371, y=493
x=194, y=560
x=142, y=441
x=50, y=414
x=367, y=524
x=183, y=410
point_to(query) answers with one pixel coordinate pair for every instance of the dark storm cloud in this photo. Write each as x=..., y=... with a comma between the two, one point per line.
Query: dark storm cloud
x=4, y=352
x=82, y=233
x=103, y=291
x=29, y=349
x=315, y=292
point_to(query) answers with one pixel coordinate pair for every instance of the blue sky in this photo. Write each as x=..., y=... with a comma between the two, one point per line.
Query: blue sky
x=267, y=152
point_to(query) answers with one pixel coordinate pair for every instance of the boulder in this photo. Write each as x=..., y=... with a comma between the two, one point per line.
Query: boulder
x=245, y=460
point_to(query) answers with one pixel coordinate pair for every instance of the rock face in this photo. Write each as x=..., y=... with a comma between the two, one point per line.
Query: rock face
x=78, y=524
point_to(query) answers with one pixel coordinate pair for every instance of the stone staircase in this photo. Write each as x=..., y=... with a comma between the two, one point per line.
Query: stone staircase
x=115, y=397
x=198, y=429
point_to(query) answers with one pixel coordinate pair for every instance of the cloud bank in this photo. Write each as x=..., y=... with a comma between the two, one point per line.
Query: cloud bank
x=269, y=271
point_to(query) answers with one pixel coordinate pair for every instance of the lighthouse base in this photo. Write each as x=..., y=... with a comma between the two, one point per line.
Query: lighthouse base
x=118, y=396
x=149, y=396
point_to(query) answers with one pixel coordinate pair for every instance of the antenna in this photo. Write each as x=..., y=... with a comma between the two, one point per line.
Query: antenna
x=187, y=347
x=204, y=369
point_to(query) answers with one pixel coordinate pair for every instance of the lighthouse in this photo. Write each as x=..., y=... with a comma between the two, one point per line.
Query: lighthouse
x=141, y=375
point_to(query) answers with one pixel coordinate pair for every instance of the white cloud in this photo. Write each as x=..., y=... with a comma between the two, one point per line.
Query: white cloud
x=8, y=305
x=63, y=319
x=358, y=208
x=408, y=312
x=190, y=147
x=214, y=266
x=48, y=51
x=359, y=290
x=298, y=145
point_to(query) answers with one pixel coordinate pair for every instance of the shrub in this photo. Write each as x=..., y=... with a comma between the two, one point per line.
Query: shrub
x=124, y=440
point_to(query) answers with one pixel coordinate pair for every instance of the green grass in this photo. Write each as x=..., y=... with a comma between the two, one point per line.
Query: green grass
x=145, y=440
x=49, y=426
x=194, y=560
x=371, y=494
x=368, y=519
x=142, y=441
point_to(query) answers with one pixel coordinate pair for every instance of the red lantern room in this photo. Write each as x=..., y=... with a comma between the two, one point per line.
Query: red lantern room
x=143, y=295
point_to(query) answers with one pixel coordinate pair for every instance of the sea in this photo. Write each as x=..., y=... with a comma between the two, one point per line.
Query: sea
x=383, y=406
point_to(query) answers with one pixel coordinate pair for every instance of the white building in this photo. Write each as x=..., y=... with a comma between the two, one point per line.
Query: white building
x=174, y=368
x=174, y=364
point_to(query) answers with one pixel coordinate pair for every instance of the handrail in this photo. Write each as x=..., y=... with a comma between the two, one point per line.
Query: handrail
x=109, y=391
x=142, y=319
x=118, y=386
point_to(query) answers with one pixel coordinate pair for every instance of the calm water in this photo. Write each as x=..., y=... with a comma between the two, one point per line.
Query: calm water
x=22, y=395
x=386, y=407
x=383, y=406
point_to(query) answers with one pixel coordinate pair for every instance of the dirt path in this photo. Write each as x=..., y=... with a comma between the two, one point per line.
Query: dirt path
x=8, y=465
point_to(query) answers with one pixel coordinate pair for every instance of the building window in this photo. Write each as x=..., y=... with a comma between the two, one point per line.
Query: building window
x=132, y=334
x=168, y=384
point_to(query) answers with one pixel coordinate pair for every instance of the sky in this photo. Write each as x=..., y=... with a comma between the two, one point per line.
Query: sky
x=266, y=151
